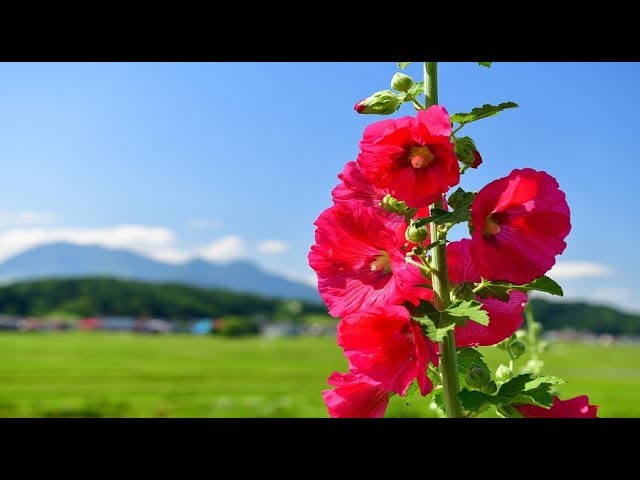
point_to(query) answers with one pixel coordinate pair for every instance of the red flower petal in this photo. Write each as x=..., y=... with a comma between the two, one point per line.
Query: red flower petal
x=356, y=396
x=355, y=188
x=519, y=226
x=504, y=317
x=386, y=345
x=577, y=407
x=360, y=262
x=411, y=157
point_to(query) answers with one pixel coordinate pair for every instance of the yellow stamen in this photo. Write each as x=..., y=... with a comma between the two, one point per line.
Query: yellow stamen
x=420, y=157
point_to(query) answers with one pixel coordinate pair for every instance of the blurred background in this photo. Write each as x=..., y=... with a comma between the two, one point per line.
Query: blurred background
x=155, y=220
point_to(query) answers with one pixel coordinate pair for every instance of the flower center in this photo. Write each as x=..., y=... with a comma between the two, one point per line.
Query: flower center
x=420, y=157
x=491, y=227
x=381, y=263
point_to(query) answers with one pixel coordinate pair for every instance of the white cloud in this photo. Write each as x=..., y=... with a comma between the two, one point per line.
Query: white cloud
x=204, y=223
x=611, y=295
x=17, y=219
x=224, y=249
x=310, y=279
x=273, y=246
x=154, y=242
x=579, y=269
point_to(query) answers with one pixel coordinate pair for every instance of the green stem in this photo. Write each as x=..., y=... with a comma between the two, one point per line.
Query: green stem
x=531, y=331
x=440, y=277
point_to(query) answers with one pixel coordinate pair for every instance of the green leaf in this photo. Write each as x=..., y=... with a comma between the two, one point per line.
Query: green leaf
x=461, y=201
x=543, y=284
x=438, y=398
x=424, y=309
x=485, y=64
x=437, y=334
x=514, y=386
x=501, y=290
x=413, y=388
x=464, y=310
x=539, y=396
x=544, y=380
x=475, y=401
x=479, y=113
x=440, y=217
x=431, y=318
x=437, y=324
x=403, y=65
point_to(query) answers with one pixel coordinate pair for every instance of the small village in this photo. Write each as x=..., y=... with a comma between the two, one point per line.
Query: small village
x=232, y=326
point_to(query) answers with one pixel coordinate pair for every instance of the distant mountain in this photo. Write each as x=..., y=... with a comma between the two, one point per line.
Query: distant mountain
x=65, y=260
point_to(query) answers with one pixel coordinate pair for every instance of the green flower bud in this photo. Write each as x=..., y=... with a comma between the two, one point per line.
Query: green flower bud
x=520, y=334
x=384, y=102
x=503, y=374
x=503, y=345
x=467, y=153
x=476, y=377
x=543, y=346
x=401, y=82
x=419, y=251
x=533, y=366
x=517, y=348
x=416, y=234
x=489, y=388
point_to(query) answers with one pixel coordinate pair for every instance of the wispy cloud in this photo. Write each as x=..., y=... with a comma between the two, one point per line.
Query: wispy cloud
x=204, y=224
x=224, y=249
x=154, y=242
x=611, y=295
x=310, y=279
x=273, y=246
x=26, y=218
x=579, y=269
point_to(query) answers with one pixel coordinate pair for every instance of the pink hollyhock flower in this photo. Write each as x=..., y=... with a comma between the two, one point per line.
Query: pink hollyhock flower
x=355, y=396
x=360, y=262
x=577, y=407
x=412, y=157
x=386, y=345
x=504, y=317
x=355, y=188
x=519, y=226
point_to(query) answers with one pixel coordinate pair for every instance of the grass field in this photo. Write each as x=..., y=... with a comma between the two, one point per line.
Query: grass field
x=127, y=375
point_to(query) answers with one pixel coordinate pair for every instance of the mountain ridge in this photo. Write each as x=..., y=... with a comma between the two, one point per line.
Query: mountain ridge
x=66, y=260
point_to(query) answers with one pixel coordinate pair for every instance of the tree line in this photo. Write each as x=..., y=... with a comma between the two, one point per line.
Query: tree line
x=86, y=297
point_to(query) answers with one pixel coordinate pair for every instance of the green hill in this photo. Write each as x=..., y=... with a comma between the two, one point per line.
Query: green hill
x=585, y=317
x=107, y=296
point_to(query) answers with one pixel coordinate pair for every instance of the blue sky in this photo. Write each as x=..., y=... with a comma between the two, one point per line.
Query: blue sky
x=236, y=160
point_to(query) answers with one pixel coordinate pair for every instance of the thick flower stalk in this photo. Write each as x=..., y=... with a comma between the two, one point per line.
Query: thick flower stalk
x=412, y=305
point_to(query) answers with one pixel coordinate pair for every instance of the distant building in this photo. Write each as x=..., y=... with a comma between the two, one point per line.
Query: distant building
x=202, y=327
x=117, y=323
x=155, y=325
x=89, y=323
